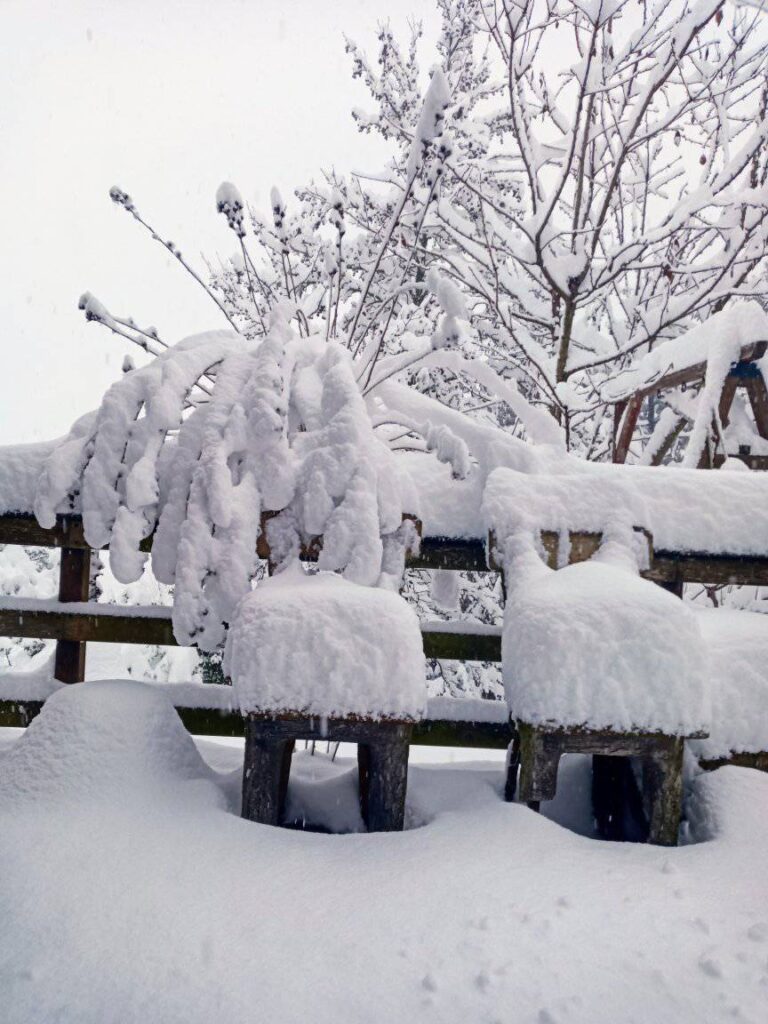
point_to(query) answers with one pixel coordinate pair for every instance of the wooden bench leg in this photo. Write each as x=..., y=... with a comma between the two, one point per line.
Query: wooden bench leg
x=383, y=772
x=540, y=754
x=266, y=769
x=663, y=783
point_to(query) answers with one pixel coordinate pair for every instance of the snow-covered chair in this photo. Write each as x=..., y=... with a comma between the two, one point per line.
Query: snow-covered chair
x=599, y=661
x=317, y=657
x=736, y=644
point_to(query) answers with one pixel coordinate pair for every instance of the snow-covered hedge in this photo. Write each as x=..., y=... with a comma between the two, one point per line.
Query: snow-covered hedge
x=279, y=427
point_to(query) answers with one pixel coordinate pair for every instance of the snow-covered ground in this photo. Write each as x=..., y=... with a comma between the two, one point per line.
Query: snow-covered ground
x=132, y=891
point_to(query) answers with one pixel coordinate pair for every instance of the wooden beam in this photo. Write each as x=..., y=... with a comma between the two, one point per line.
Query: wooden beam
x=692, y=567
x=758, y=399
x=80, y=626
x=210, y=722
x=627, y=429
x=451, y=553
x=727, y=396
x=461, y=646
x=436, y=552
x=692, y=374
x=23, y=528
x=115, y=627
x=74, y=581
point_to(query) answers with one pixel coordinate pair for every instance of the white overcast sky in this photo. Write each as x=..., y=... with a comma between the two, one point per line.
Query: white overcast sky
x=166, y=99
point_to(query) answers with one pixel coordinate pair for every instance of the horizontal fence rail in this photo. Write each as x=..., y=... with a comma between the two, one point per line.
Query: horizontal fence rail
x=88, y=622
x=73, y=621
x=213, y=722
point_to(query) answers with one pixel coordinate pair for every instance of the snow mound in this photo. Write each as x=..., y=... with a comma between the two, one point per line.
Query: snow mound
x=719, y=804
x=326, y=647
x=594, y=645
x=737, y=658
x=97, y=738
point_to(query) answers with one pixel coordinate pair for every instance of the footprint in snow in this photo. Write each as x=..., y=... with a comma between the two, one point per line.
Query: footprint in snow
x=710, y=967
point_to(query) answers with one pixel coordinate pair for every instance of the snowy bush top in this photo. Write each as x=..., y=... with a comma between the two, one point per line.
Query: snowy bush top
x=326, y=647
x=108, y=736
x=736, y=644
x=692, y=510
x=212, y=433
x=593, y=645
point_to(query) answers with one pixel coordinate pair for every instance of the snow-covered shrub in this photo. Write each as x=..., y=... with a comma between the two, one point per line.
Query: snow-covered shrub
x=282, y=429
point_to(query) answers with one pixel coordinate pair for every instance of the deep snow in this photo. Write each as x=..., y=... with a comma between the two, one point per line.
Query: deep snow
x=132, y=892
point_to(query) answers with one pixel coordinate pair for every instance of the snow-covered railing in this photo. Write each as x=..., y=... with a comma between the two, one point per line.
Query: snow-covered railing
x=73, y=621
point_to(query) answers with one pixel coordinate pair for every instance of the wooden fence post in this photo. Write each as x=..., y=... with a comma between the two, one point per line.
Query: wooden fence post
x=74, y=578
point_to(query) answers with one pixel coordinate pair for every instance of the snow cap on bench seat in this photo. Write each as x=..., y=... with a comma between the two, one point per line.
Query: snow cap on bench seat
x=737, y=666
x=325, y=647
x=594, y=645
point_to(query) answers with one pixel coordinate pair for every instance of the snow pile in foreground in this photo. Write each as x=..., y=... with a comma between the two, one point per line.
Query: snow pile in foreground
x=737, y=665
x=327, y=647
x=595, y=645
x=108, y=737
x=163, y=906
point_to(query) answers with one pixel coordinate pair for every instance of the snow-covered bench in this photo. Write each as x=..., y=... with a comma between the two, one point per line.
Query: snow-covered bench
x=736, y=645
x=600, y=661
x=316, y=657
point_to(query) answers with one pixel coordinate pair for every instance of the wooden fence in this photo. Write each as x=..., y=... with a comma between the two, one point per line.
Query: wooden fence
x=73, y=621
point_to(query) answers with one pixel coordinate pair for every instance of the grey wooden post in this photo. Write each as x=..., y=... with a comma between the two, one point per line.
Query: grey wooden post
x=74, y=577
x=663, y=782
x=266, y=770
x=540, y=753
x=383, y=771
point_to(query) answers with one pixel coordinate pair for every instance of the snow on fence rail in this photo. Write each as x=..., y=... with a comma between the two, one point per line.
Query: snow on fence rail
x=206, y=709
x=72, y=620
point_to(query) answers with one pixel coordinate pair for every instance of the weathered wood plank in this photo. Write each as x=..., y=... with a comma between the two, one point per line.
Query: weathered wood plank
x=74, y=580
x=624, y=429
x=210, y=722
x=436, y=552
x=692, y=374
x=81, y=626
x=693, y=567
x=17, y=714
x=461, y=646
x=451, y=553
x=23, y=528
